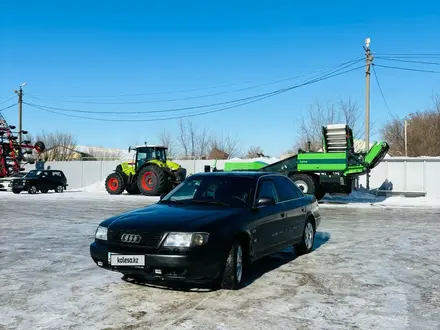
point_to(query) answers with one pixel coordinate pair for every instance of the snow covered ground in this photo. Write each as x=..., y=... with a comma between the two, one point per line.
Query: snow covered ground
x=374, y=268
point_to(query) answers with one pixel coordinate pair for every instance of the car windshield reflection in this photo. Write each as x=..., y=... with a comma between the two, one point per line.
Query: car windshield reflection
x=218, y=191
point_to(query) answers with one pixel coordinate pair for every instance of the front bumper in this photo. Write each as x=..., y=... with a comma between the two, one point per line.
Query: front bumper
x=195, y=266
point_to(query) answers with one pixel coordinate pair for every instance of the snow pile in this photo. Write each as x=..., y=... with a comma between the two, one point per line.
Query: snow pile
x=97, y=187
x=268, y=160
x=361, y=199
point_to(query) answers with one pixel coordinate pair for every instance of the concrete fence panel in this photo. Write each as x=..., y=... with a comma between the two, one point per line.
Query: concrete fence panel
x=397, y=174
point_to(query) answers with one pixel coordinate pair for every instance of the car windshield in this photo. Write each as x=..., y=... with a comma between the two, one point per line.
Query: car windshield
x=232, y=191
x=33, y=173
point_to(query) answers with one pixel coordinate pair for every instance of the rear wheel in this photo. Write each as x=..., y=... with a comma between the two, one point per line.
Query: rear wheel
x=59, y=189
x=307, y=239
x=152, y=180
x=114, y=184
x=306, y=183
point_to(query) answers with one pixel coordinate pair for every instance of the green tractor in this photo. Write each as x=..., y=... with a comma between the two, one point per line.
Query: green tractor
x=150, y=173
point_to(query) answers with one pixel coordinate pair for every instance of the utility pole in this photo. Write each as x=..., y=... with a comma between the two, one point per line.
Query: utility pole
x=368, y=61
x=20, y=112
x=406, y=133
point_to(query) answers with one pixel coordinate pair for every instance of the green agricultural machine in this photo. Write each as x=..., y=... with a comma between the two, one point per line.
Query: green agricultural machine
x=332, y=170
x=150, y=173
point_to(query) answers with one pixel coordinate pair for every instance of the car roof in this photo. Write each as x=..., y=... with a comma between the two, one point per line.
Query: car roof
x=249, y=174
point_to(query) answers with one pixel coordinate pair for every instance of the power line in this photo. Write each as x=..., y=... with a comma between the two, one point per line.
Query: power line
x=406, y=61
x=195, y=89
x=258, y=98
x=407, y=69
x=12, y=105
x=9, y=99
x=331, y=74
x=381, y=91
x=407, y=55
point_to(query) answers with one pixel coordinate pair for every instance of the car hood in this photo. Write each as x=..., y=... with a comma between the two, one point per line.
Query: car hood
x=164, y=217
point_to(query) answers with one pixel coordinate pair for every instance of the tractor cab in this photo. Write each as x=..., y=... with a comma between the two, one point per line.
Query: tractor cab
x=149, y=153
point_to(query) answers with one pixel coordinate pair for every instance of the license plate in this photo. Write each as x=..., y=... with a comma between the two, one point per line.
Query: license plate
x=127, y=260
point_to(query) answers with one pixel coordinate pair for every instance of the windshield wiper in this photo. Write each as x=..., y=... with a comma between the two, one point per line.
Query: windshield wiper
x=209, y=202
x=176, y=201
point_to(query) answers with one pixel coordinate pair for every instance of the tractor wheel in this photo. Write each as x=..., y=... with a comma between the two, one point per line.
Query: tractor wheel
x=152, y=180
x=114, y=184
x=132, y=189
x=306, y=183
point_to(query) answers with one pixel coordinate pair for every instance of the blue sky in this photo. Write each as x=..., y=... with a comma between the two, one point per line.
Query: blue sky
x=96, y=49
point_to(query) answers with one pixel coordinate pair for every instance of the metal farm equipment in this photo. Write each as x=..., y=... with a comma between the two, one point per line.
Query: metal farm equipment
x=13, y=154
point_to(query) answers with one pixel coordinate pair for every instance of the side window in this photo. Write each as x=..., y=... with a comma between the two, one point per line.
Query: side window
x=267, y=189
x=56, y=174
x=287, y=189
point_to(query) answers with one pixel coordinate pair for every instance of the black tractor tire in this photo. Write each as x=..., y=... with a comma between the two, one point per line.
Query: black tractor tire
x=114, y=184
x=306, y=183
x=132, y=189
x=39, y=146
x=152, y=181
x=231, y=279
x=307, y=239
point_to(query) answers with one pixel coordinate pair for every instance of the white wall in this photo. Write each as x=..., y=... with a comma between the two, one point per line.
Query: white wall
x=405, y=174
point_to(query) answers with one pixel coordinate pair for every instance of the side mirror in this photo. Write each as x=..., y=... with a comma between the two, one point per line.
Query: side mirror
x=162, y=196
x=265, y=201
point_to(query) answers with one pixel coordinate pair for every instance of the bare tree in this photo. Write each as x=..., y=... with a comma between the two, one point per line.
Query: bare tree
x=183, y=138
x=101, y=153
x=60, y=146
x=255, y=152
x=319, y=115
x=166, y=139
x=202, y=143
x=226, y=143
x=423, y=130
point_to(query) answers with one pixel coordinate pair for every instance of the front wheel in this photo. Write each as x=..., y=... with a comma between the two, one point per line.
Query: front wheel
x=232, y=276
x=114, y=184
x=32, y=190
x=307, y=239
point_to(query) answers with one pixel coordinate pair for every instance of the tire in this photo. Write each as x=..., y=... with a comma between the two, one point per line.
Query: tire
x=16, y=191
x=132, y=189
x=307, y=239
x=152, y=181
x=32, y=190
x=44, y=191
x=306, y=183
x=232, y=277
x=320, y=193
x=59, y=189
x=114, y=184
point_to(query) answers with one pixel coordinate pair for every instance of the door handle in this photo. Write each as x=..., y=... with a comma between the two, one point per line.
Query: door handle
x=283, y=215
x=303, y=209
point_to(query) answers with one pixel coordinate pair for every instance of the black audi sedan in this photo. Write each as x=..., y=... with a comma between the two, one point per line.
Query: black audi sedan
x=209, y=229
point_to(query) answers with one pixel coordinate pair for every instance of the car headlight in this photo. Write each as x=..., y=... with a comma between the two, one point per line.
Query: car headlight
x=186, y=239
x=101, y=233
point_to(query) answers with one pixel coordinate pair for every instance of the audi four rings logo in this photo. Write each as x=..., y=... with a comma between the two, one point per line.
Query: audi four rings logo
x=131, y=238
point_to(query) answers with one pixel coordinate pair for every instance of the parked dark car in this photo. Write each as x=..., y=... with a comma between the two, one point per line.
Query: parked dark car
x=40, y=180
x=209, y=229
